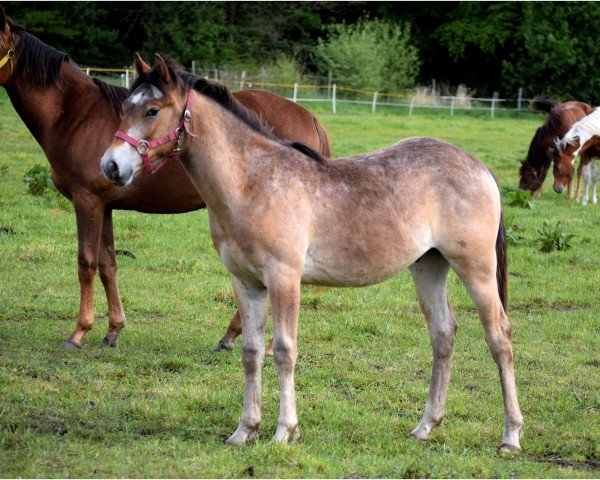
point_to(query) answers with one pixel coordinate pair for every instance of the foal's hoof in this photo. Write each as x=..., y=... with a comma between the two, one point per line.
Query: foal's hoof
x=283, y=434
x=506, y=448
x=108, y=342
x=241, y=437
x=223, y=346
x=69, y=345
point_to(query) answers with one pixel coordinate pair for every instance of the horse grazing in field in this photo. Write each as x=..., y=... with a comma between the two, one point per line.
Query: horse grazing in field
x=539, y=157
x=73, y=117
x=280, y=215
x=583, y=139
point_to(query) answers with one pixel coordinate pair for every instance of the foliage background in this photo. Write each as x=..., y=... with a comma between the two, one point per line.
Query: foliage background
x=544, y=47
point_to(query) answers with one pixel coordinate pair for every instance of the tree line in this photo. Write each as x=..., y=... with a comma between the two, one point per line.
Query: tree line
x=544, y=47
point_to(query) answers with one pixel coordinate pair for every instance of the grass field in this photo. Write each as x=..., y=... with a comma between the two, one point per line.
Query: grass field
x=161, y=404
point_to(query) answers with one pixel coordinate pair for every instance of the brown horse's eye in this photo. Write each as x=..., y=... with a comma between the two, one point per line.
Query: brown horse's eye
x=153, y=112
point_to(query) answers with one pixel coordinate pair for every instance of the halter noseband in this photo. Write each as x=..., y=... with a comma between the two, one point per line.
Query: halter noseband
x=143, y=146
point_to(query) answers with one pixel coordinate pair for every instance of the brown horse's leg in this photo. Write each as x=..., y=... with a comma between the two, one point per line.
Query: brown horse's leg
x=483, y=289
x=429, y=275
x=582, y=161
x=253, y=304
x=108, y=274
x=233, y=331
x=89, y=214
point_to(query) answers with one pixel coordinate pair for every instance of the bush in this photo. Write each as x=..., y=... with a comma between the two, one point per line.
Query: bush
x=38, y=180
x=372, y=54
x=520, y=198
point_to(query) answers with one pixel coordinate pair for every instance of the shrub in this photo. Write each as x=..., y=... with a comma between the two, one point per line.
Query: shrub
x=553, y=238
x=372, y=54
x=520, y=198
x=38, y=180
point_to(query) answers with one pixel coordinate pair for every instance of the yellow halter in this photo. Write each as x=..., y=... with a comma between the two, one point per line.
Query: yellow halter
x=10, y=59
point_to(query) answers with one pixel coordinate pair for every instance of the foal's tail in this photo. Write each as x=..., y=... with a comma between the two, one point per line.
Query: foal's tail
x=543, y=104
x=324, y=148
x=502, y=263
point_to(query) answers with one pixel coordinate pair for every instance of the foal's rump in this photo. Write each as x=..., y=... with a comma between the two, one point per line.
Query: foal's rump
x=378, y=213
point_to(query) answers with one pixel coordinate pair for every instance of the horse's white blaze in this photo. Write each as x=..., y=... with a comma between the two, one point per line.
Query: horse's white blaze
x=142, y=95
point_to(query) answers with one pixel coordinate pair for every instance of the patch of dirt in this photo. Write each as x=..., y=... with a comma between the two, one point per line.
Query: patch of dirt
x=565, y=462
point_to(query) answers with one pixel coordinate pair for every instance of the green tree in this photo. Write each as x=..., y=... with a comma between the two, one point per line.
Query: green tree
x=370, y=54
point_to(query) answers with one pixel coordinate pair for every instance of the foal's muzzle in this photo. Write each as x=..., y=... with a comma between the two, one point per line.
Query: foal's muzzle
x=558, y=189
x=111, y=170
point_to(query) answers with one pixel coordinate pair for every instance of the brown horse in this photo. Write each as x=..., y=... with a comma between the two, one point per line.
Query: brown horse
x=281, y=215
x=73, y=117
x=539, y=157
x=583, y=138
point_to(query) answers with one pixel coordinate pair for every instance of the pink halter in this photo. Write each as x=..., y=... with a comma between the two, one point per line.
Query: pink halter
x=143, y=146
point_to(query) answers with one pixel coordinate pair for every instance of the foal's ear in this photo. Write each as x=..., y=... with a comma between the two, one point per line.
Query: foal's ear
x=140, y=66
x=162, y=68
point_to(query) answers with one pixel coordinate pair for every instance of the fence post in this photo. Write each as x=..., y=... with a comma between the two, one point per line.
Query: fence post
x=492, y=109
x=410, y=109
x=242, y=80
x=126, y=78
x=87, y=71
x=333, y=102
x=519, y=100
x=295, y=97
x=216, y=73
x=193, y=67
x=452, y=107
x=374, y=102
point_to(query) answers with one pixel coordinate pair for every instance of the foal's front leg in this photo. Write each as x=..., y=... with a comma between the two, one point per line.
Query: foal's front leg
x=284, y=292
x=253, y=304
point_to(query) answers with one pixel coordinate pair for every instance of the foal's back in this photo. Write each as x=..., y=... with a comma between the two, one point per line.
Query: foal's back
x=367, y=217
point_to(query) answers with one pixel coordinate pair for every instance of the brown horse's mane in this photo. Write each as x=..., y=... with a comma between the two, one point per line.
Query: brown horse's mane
x=220, y=94
x=40, y=64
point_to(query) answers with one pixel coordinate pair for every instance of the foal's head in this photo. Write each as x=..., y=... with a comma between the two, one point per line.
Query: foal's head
x=564, y=155
x=151, y=125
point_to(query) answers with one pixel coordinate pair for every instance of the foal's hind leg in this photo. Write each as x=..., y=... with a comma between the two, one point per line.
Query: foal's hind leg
x=234, y=330
x=429, y=275
x=480, y=280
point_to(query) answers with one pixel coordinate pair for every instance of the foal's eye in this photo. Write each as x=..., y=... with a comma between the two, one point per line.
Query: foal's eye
x=153, y=112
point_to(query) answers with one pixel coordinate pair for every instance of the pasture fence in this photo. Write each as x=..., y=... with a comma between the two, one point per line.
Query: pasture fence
x=336, y=95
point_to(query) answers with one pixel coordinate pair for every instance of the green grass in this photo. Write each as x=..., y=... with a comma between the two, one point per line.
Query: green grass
x=161, y=404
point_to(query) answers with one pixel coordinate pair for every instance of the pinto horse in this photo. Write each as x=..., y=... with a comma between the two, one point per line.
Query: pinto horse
x=583, y=139
x=539, y=157
x=73, y=117
x=281, y=215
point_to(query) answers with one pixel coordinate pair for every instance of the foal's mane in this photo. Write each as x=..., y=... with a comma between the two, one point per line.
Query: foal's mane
x=40, y=64
x=220, y=94
x=581, y=131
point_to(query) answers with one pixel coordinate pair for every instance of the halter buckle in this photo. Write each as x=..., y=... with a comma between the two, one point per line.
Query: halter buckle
x=142, y=147
x=187, y=115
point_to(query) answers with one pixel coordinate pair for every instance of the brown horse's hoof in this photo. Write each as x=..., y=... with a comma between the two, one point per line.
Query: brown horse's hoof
x=222, y=346
x=108, y=342
x=69, y=345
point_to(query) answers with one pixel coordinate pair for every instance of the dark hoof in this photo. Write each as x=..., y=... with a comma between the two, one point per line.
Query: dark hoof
x=107, y=342
x=69, y=345
x=222, y=346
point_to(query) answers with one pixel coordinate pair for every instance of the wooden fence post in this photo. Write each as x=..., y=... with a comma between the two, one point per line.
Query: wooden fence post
x=333, y=100
x=374, y=102
x=295, y=96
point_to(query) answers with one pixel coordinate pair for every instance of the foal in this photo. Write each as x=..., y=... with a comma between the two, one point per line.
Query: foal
x=583, y=139
x=281, y=215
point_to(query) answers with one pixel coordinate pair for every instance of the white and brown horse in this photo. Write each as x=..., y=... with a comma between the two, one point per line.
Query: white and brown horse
x=583, y=138
x=281, y=215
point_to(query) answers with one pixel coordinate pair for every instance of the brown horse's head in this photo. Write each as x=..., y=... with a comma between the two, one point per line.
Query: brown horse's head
x=530, y=177
x=152, y=124
x=563, y=155
x=7, y=49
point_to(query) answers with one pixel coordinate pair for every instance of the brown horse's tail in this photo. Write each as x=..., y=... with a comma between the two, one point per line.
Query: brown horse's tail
x=502, y=263
x=543, y=104
x=324, y=148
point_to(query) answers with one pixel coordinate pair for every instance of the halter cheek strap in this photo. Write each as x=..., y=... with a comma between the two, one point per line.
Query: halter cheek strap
x=10, y=59
x=144, y=146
